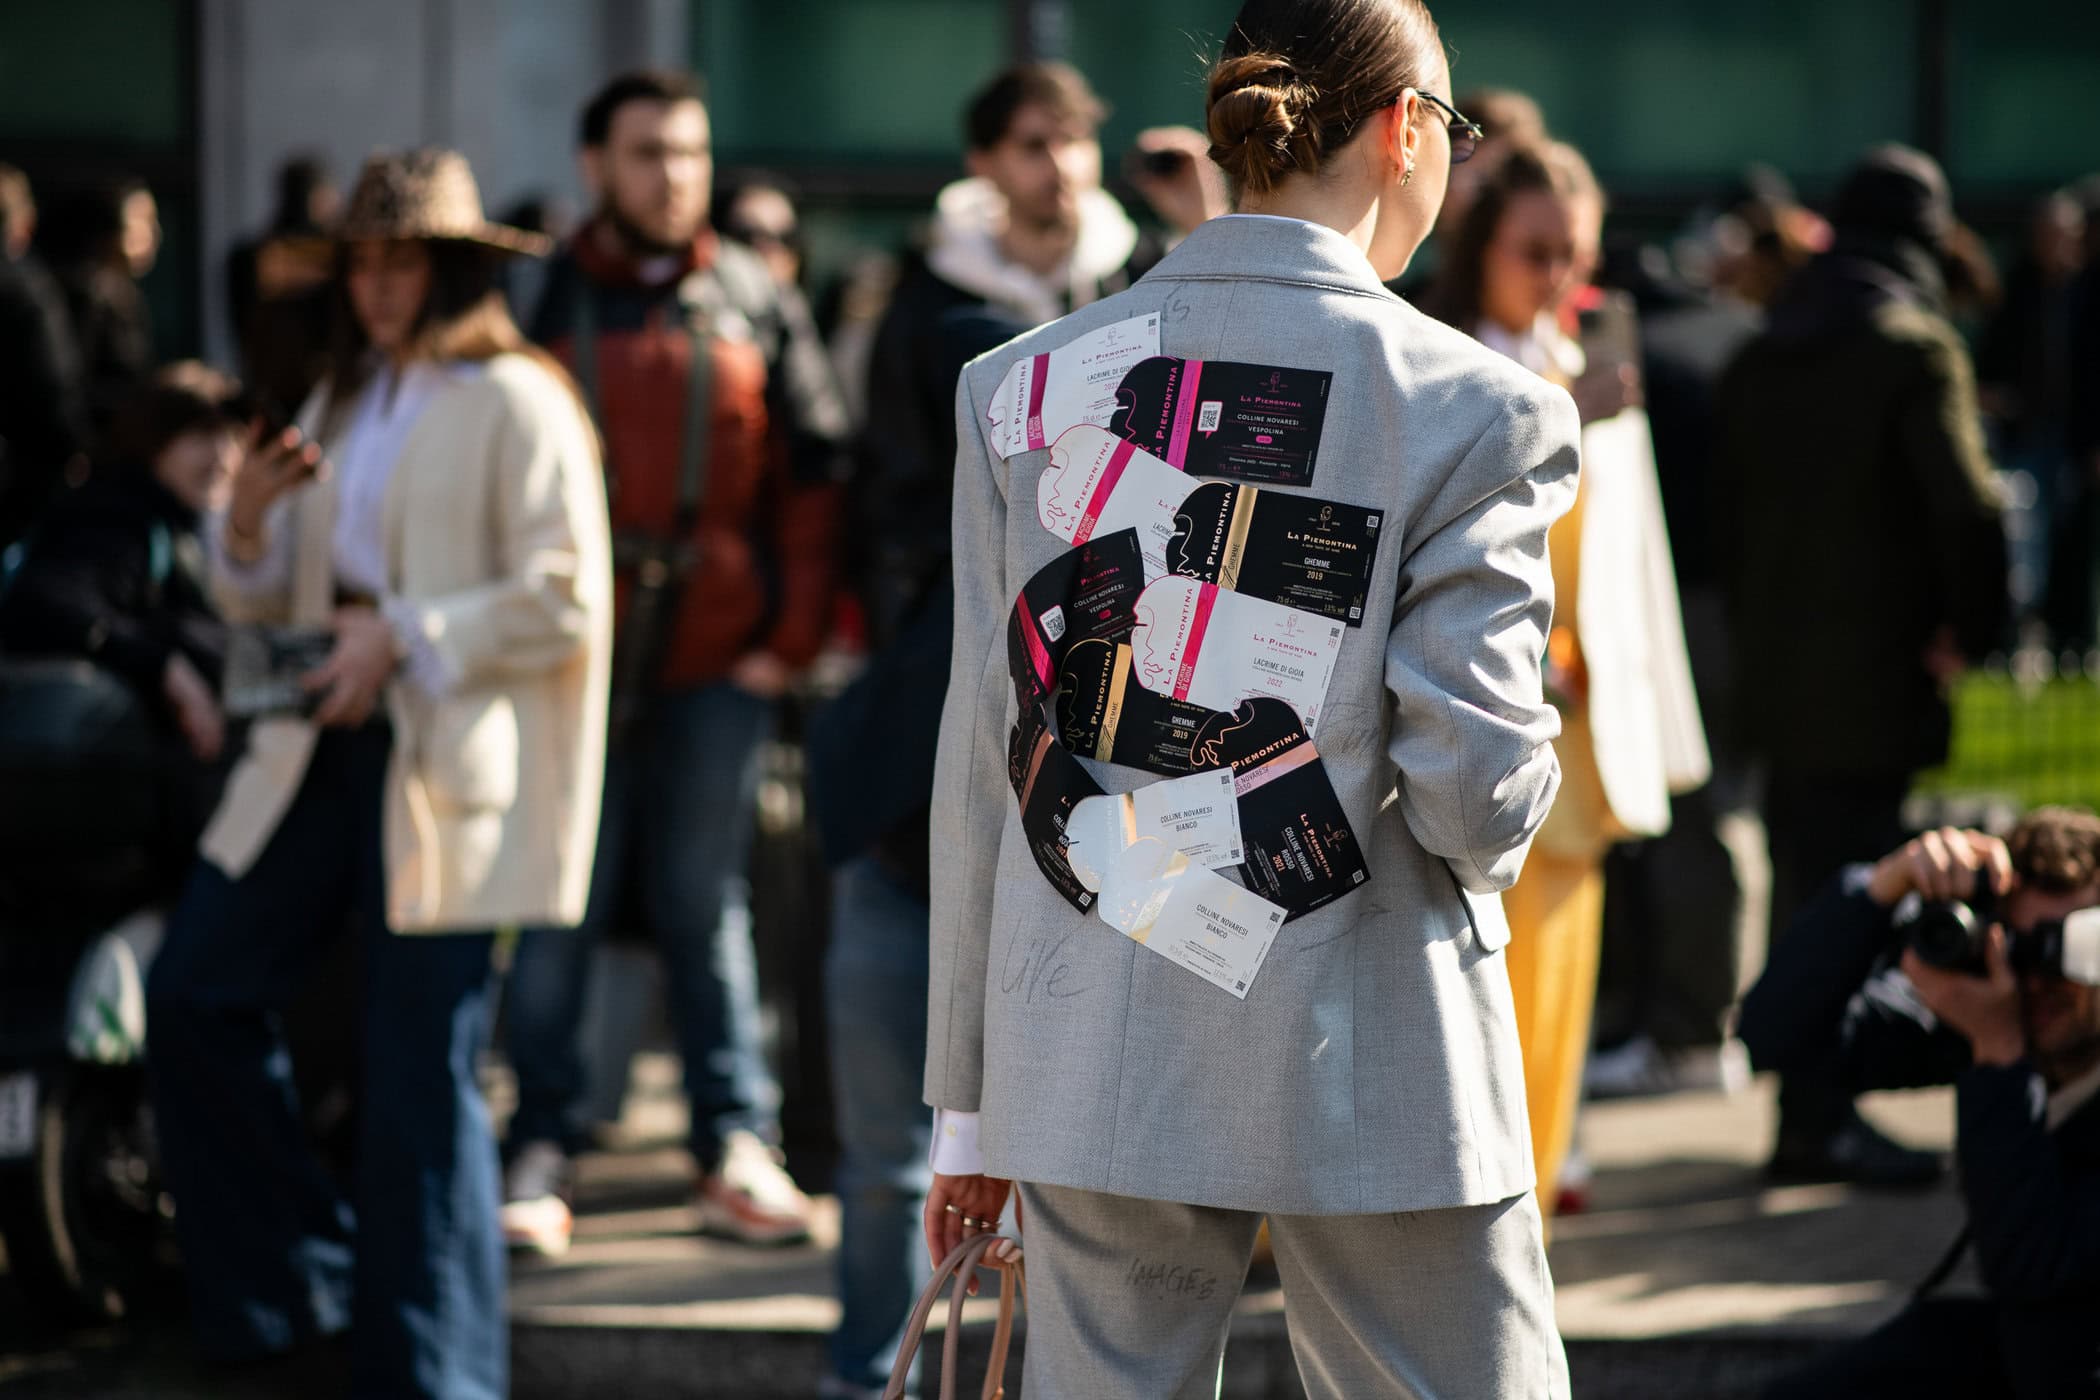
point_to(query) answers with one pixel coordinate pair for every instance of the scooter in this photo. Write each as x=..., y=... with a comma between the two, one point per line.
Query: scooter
x=83, y=872
x=88, y=1228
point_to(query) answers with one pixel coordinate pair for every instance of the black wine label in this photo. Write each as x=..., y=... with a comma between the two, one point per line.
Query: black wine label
x=1085, y=594
x=1300, y=551
x=1103, y=713
x=1049, y=783
x=1222, y=418
x=1301, y=851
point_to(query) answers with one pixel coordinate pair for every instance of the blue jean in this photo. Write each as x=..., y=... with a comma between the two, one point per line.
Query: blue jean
x=875, y=997
x=677, y=827
x=272, y=1259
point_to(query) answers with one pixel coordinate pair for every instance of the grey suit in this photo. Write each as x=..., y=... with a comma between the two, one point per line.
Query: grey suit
x=1373, y=1065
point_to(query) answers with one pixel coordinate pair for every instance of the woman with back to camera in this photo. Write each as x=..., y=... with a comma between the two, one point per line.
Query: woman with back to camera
x=1359, y=1083
x=445, y=784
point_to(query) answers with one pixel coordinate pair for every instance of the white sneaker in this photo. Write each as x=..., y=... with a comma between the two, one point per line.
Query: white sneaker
x=536, y=1213
x=750, y=1197
x=1640, y=1069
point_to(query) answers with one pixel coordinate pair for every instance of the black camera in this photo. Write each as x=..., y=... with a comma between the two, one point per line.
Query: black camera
x=1955, y=934
x=1951, y=933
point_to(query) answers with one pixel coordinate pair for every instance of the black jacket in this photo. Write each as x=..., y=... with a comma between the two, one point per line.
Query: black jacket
x=2033, y=1196
x=41, y=413
x=1855, y=514
x=114, y=574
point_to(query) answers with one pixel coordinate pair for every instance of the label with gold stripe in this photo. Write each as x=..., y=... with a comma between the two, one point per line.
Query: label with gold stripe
x=1306, y=553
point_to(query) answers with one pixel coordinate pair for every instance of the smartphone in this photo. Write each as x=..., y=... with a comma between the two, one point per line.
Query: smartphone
x=1610, y=332
x=1154, y=165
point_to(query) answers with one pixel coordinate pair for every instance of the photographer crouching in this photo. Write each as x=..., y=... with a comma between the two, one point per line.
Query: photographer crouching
x=1968, y=960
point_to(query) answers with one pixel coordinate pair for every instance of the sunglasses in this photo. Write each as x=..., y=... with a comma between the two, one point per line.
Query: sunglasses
x=1466, y=136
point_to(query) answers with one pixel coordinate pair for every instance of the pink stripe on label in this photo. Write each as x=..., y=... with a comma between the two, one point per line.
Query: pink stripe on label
x=1206, y=599
x=1038, y=654
x=1118, y=459
x=1038, y=378
x=1185, y=414
x=1288, y=761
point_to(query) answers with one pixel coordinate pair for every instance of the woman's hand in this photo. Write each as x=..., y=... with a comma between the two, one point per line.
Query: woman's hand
x=197, y=712
x=978, y=1202
x=270, y=466
x=351, y=680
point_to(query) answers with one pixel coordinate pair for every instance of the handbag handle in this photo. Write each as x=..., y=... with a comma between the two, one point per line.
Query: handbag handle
x=966, y=1257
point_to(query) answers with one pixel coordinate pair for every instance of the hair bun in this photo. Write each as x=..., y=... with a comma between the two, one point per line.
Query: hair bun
x=1259, y=127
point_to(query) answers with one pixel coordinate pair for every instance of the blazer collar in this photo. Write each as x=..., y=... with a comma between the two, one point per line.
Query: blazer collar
x=1274, y=249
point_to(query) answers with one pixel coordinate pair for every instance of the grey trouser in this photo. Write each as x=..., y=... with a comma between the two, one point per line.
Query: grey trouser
x=1132, y=1298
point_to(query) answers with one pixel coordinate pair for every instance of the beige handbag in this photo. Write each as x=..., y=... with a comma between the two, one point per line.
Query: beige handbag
x=967, y=1258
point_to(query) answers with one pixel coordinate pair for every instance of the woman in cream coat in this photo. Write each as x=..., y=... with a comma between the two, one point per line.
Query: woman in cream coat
x=441, y=511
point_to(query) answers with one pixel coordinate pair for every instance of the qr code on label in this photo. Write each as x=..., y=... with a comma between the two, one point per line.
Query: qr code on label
x=1207, y=419
x=1054, y=624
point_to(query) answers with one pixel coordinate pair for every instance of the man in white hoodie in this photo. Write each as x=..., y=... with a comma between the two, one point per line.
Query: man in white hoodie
x=1026, y=238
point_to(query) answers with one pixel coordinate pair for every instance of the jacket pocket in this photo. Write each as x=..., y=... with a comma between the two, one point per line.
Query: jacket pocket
x=1484, y=916
x=470, y=755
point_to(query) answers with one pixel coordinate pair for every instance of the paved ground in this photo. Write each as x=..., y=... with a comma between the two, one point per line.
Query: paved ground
x=1689, y=1279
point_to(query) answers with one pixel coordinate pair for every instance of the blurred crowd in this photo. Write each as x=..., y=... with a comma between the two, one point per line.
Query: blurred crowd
x=1832, y=457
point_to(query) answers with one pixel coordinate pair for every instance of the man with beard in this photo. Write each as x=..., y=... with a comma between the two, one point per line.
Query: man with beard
x=2019, y=1037
x=722, y=429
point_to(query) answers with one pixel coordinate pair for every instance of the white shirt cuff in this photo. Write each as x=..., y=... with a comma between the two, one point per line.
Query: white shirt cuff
x=955, y=1151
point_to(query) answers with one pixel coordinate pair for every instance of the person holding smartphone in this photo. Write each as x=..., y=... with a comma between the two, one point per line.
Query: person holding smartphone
x=439, y=507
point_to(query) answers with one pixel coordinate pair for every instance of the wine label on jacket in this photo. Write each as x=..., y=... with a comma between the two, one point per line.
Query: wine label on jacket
x=1198, y=815
x=1301, y=852
x=1189, y=915
x=1299, y=551
x=1049, y=783
x=1196, y=642
x=1085, y=594
x=1103, y=713
x=1042, y=395
x=1223, y=418
x=1097, y=483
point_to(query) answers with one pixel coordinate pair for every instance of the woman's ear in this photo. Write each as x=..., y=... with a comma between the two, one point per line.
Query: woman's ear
x=1404, y=133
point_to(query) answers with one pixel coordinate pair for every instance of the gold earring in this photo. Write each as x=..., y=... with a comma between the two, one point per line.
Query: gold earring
x=1407, y=176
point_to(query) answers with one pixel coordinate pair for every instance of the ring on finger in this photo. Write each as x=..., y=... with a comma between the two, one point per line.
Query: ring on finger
x=951, y=1209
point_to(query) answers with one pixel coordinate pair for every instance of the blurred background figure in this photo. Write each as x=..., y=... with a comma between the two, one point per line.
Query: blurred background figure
x=2024, y=373
x=1763, y=236
x=442, y=783
x=43, y=423
x=101, y=240
x=277, y=289
x=1680, y=907
x=1616, y=667
x=114, y=573
x=1863, y=560
x=759, y=212
x=723, y=431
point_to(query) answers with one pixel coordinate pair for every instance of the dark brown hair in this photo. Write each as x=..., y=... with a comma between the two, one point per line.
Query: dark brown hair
x=1058, y=86
x=644, y=85
x=1519, y=168
x=464, y=317
x=183, y=397
x=1298, y=77
x=2056, y=850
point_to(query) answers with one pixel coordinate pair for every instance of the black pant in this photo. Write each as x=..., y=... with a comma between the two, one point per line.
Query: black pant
x=1962, y=1349
x=1815, y=825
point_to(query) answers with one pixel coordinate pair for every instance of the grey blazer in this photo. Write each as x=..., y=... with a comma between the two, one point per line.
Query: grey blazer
x=1373, y=1065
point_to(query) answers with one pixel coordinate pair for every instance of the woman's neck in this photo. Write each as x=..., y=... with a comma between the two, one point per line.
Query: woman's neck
x=1353, y=213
